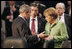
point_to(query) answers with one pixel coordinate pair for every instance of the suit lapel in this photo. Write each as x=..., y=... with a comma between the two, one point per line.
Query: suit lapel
x=26, y=25
x=39, y=23
x=28, y=21
x=65, y=18
x=29, y=24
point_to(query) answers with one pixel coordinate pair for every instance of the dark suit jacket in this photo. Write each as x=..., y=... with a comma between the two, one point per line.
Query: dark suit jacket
x=41, y=24
x=67, y=10
x=20, y=28
x=68, y=24
x=6, y=12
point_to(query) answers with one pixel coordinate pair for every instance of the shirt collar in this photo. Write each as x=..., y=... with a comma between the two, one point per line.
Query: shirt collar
x=32, y=18
x=61, y=15
x=54, y=23
x=22, y=17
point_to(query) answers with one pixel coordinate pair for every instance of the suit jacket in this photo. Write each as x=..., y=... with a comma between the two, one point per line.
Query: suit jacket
x=58, y=31
x=41, y=24
x=68, y=24
x=67, y=10
x=7, y=12
x=20, y=28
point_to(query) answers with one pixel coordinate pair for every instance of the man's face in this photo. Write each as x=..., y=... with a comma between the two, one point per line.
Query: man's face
x=69, y=2
x=34, y=11
x=59, y=10
x=27, y=14
x=49, y=18
x=11, y=2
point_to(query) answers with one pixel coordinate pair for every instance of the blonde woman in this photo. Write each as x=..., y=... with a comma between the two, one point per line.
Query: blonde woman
x=54, y=28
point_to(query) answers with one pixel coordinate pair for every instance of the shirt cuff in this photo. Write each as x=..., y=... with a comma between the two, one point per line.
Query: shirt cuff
x=38, y=38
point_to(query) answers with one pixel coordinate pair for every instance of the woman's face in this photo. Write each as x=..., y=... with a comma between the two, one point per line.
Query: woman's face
x=49, y=18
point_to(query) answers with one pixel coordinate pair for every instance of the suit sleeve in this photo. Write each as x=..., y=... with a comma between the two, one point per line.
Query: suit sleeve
x=25, y=32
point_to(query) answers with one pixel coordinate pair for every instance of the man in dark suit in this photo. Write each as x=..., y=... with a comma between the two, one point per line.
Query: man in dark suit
x=20, y=27
x=41, y=7
x=9, y=14
x=36, y=24
x=68, y=24
x=60, y=9
x=39, y=23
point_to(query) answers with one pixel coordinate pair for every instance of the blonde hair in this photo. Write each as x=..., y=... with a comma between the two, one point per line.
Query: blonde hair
x=24, y=8
x=51, y=12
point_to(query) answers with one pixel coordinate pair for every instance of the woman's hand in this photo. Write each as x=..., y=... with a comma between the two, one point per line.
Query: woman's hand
x=49, y=37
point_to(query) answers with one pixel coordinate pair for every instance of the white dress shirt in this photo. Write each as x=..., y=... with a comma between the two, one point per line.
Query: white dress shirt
x=62, y=18
x=11, y=15
x=36, y=23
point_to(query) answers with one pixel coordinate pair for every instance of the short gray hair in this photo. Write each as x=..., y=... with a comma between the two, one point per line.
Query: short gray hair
x=24, y=8
x=61, y=4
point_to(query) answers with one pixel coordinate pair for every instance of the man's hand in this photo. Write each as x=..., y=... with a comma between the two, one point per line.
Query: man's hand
x=8, y=17
x=42, y=35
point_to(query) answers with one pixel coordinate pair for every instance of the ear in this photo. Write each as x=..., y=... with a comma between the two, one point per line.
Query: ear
x=64, y=9
x=24, y=13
